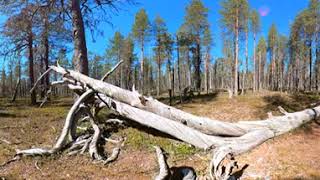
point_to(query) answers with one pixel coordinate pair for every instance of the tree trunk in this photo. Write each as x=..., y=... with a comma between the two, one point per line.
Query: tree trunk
x=254, y=65
x=206, y=73
x=30, y=58
x=178, y=69
x=310, y=66
x=172, y=79
x=3, y=82
x=246, y=65
x=273, y=69
x=46, y=50
x=80, y=56
x=236, y=52
x=159, y=78
x=42, y=90
x=189, y=69
x=142, y=68
x=197, y=65
x=317, y=62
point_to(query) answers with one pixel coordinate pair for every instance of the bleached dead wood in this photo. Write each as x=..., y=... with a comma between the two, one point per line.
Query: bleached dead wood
x=206, y=125
x=183, y=173
x=223, y=138
x=164, y=171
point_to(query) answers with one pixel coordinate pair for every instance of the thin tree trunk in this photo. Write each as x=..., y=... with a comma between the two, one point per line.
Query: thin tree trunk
x=19, y=74
x=317, y=62
x=254, y=64
x=142, y=68
x=207, y=71
x=172, y=79
x=189, y=69
x=297, y=81
x=159, y=78
x=246, y=65
x=310, y=66
x=42, y=82
x=178, y=69
x=236, y=55
x=197, y=66
x=259, y=71
x=273, y=70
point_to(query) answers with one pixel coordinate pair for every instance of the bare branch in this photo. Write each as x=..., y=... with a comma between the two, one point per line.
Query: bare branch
x=39, y=79
x=111, y=71
x=282, y=110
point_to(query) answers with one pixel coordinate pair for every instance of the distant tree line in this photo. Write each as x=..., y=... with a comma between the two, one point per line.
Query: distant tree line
x=179, y=62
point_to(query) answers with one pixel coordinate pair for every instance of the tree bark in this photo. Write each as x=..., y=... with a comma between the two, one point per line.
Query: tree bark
x=142, y=67
x=159, y=78
x=310, y=66
x=246, y=65
x=197, y=65
x=178, y=70
x=206, y=73
x=236, y=54
x=254, y=65
x=317, y=62
x=30, y=58
x=46, y=48
x=189, y=69
x=80, y=56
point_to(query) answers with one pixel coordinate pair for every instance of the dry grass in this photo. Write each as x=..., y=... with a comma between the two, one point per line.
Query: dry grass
x=291, y=156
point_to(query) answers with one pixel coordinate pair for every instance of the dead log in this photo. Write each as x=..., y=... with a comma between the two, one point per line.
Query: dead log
x=206, y=125
x=222, y=138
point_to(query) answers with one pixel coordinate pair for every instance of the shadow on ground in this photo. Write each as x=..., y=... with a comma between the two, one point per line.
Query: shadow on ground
x=7, y=115
x=291, y=103
x=189, y=99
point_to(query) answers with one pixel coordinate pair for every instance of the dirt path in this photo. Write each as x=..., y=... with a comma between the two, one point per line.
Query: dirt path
x=294, y=155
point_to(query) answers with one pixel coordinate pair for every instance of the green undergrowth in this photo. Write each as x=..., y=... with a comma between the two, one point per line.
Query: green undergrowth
x=141, y=140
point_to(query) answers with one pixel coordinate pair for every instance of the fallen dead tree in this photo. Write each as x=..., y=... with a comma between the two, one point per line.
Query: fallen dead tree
x=223, y=139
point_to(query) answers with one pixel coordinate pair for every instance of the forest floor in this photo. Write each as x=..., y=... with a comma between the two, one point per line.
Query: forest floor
x=291, y=156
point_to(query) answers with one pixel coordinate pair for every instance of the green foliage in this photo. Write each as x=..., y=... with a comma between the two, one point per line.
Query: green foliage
x=96, y=67
x=128, y=53
x=63, y=60
x=272, y=37
x=113, y=52
x=207, y=38
x=140, y=140
x=262, y=45
x=233, y=10
x=255, y=21
x=196, y=18
x=160, y=31
x=141, y=27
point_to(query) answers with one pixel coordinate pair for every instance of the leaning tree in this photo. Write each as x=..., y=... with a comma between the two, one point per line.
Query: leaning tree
x=223, y=139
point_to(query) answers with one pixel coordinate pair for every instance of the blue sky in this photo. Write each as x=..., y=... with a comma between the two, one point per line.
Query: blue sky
x=280, y=12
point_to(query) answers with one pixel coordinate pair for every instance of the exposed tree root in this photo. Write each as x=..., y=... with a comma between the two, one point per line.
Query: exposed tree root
x=183, y=173
x=15, y=158
x=164, y=172
x=115, y=152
